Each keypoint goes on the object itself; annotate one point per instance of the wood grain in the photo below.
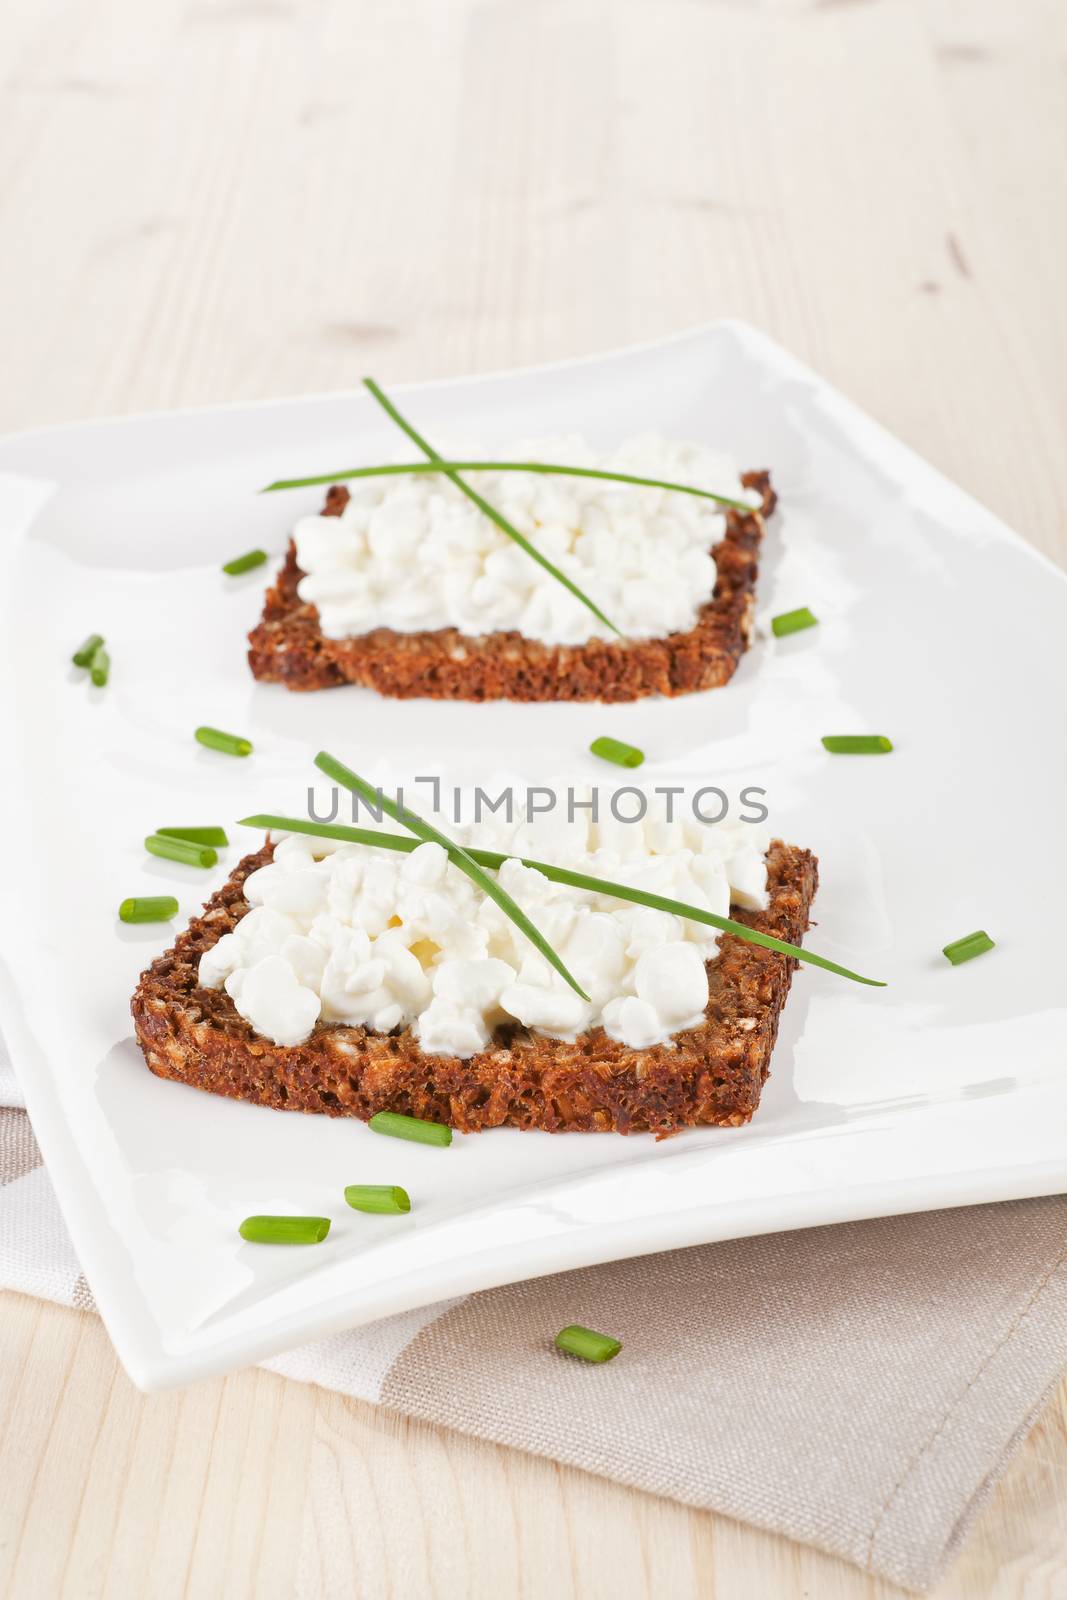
(257, 1486)
(208, 200)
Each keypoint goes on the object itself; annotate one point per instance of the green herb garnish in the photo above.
(85, 652)
(483, 505)
(551, 469)
(99, 666)
(230, 744)
(148, 908)
(857, 744)
(245, 563)
(792, 622)
(379, 1199)
(284, 1230)
(457, 855)
(494, 859)
(419, 1131)
(583, 1342)
(975, 944)
(183, 850)
(623, 755)
(215, 836)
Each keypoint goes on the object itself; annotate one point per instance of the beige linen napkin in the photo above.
(859, 1388)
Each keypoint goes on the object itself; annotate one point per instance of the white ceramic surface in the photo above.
(938, 627)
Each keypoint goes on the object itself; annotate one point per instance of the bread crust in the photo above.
(288, 646)
(709, 1075)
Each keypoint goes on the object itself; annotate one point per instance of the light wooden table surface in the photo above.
(205, 200)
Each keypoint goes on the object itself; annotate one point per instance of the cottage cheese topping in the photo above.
(355, 935)
(413, 553)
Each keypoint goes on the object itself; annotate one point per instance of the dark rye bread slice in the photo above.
(711, 1075)
(288, 645)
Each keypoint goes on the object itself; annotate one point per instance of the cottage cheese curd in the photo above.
(350, 934)
(414, 554)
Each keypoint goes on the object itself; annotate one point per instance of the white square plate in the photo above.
(938, 626)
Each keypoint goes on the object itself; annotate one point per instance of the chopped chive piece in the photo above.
(856, 744)
(975, 944)
(245, 563)
(190, 855)
(284, 1230)
(148, 908)
(397, 1126)
(85, 652)
(579, 1341)
(457, 855)
(231, 744)
(99, 666)
(550, 469)
(792, 622)
(623, 755)
(577, 880)
(484, 507)
(381, 1199)
(216, 836)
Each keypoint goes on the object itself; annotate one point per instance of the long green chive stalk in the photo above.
(549, 469)
(457, 855)
(494, 859)
(483, 505)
